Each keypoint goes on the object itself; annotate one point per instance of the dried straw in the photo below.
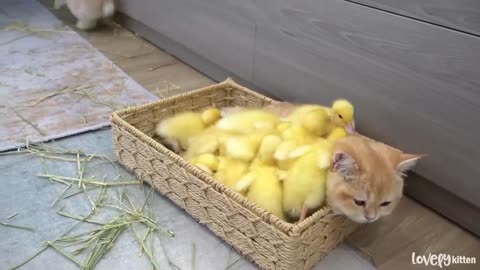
(193, 257)
(62, 91)
(16, 226)
(24, 28)
(33, 73)
(99, 200)
(12, 215)
(233, 263)
(83, 90)
(98, 241)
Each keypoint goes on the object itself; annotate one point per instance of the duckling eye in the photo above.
(385, 203)
(341, 117)
(359, 202)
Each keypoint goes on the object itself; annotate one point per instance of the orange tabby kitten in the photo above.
(366, 178)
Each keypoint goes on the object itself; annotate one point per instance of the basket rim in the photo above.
(283, 226)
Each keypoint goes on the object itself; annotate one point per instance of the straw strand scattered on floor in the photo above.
(96, 242)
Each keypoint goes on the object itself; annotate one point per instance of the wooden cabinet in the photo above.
(220, 31)
(458, 15)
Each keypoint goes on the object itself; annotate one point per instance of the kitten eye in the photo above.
(359, 202)
(385, 203)
(341, 117)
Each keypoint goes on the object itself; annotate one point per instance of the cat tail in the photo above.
(108, 8)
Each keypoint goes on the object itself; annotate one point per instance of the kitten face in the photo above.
(364, 198)
(365, 181)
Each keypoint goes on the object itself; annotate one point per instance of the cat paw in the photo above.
(86, 25)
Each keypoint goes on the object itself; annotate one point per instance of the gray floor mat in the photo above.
(53, 83)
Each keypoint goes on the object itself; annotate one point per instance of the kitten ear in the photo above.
(407, 162)
(344, 164)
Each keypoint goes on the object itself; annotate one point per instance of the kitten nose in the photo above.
(370, 215)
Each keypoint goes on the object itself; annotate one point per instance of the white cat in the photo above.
(88, 12)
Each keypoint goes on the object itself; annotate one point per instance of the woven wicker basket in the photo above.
(260, 236)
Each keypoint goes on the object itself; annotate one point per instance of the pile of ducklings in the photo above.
(278, 163)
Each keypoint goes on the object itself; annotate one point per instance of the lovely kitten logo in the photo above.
(441, 260)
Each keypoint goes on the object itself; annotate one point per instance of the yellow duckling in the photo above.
(210, 116)
(230, 171)
(337, 133)
(341, 115)
(304, 186)
(248, 120)
(179, 128)
(282, 126)
(264, 188)
(206, 162)
(282, 154)
(267, 149)
(209, 141)
(299, 134)
(241, 147)
(244, 146)
(313, 118)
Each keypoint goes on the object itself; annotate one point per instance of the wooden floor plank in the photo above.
(151, 67)
(413, 228)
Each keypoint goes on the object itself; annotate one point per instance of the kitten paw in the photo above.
(86, 25)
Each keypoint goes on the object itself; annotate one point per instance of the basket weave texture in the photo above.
(263, 238)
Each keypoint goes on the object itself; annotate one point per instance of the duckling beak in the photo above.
(350, 128)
